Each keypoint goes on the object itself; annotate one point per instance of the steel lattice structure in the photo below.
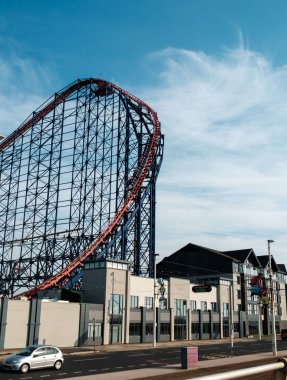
(78, 182)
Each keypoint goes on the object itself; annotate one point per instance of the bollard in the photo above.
(280, 374)
(189, 357)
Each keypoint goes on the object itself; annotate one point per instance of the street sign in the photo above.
(201, 288)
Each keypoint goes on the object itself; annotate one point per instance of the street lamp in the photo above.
(155, 295)
(274, 342)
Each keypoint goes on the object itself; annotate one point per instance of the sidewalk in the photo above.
(205, 367)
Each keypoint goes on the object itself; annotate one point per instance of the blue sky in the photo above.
(216, 73)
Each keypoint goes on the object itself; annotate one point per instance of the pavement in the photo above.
(210, 366)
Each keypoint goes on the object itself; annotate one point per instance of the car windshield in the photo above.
(27, 351)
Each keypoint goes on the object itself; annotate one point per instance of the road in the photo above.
(87, 363)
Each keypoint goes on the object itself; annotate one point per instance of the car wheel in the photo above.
(58, 364)
(24, 368)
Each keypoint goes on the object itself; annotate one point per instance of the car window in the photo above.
(52, 351)
(27, 351)
(39, 352)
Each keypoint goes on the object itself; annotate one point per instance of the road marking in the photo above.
(105, 369)
(23, 378)
(85, 360)
(133, 365)
(45, 376)
(62, 373)
(93, 370)
(130, 356)
(142, 365)
(206, 349)
(77, 372)
(119, 367)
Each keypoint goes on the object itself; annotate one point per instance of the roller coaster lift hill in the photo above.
(78, 183)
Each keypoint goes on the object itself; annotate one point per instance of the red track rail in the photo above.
(144, 169)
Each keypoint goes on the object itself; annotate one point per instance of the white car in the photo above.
(33, 357)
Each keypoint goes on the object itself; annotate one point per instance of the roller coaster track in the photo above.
(141, 171)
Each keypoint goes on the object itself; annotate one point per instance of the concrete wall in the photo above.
(59, 324)
(17, 322)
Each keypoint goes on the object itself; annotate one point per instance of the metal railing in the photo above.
(279, 372)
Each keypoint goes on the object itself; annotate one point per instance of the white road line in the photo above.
(105, 369)
(77, 372)
(45, 376)
(62, 373)
(119, 367)
(24, 378)
(133, 365)
(206, 349)
(85, 360)
(139, 355)
(93, 370)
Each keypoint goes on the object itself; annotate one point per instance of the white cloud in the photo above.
(223, 181)
(24, 85)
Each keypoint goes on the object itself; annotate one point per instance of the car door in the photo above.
(51, 356)
(38, 358)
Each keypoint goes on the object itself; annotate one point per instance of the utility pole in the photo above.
(274, 342)
(154, 299)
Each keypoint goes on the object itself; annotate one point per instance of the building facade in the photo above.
(117, 307)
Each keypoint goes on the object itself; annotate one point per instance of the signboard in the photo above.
(201, 288)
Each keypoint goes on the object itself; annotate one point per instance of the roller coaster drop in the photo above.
(77, 182)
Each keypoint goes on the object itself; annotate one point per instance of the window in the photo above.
(94, 330)
(179, 307)
(149, 329)
(193, 305)
(116, 304)
(225, 310)
(238, 280)
(213, 306)
(206, 328)
(148, 302)
(239, 294)
(135, 329)
(165, 328)
(195, 328)
(203, 305)
(134, 302)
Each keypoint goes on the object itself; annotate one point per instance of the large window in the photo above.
(135, 329)
(94, 330)
(149, 329)
(203, 305)
(214, 306)
(134, 301)
(195, 328)
(225, 310)
(165, 328)
(179, 307)
(206, 328)
(116, 304)
(148, 302)
(193, 305)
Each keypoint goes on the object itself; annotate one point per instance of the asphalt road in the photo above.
(82, 364)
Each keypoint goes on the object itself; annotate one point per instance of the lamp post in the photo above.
(274, 342)
(155, 295)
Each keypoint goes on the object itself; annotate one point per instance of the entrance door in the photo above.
(115, 334)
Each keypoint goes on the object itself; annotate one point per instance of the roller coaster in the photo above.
(77, 183)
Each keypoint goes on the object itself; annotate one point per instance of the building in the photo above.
(115, 306)
(238, 267)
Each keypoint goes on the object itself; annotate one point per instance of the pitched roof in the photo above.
(244, 254)
(282, 268)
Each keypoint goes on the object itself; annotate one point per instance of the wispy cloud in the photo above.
(224, 176)
(24, 85)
